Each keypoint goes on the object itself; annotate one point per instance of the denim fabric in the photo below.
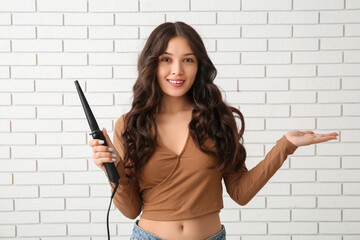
(140, 234)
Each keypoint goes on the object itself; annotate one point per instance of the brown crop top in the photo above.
(176, 187)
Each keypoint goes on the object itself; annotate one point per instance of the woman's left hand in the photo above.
(303, 138)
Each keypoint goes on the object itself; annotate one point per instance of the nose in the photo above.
(177, 68)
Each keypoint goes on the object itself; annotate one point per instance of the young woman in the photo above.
(180, 139)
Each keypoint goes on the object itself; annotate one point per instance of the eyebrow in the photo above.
(186, 54)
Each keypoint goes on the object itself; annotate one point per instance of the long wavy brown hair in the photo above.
(211, 116)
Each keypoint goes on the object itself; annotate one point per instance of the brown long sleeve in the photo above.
(243, 185)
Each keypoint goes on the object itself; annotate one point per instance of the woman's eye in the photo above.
(165, 59)
(188, 60)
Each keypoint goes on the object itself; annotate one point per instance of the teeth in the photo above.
(175, 81)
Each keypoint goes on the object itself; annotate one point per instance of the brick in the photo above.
(7, 231)
(6, 205)
(100, 190)
(62, 59)
(265, 215)
(262, 84)
(64, 191)
(296, 176)
(89, 19)
(340, 97)
(17, 112)
(352, 30)
(290, 70)
(36, 72)
(36, 152)
(218, 31)
(4, 152)
(317, 57)
(65, 216)
(338, 202)
(229, 215)
(87, 203)
(244, 228)
(19, 166)
(265, 110)
(38, 178)
(4, 45)
(318, 4)
(17, 59)
(60, 138)
(290, 123)
(266, 237)
(224, 58)
(37, 99)
(57, 85)
(244, 97)
(62, 5)
(113, 6)
(125, 71)
(4, 72)
(338, 122)
(78, 125)
(314, 83)
(351, 188)
(36, 125)
(351, 57)
(17, 32)
(266, 31)
(349, 16)
(39, 204)
(113, 32)
(17, 6)
(258, 5)
(293, 228)
(19, 192)
(316, 189)
(163, 5)
(191, 18)
(291, 97)
(17, 139)
(139, 18)
(315, 162)
(214, 5)
(339, 228)
(323, 30)
(5, 99)
(111, 85)
(5, 18)
(5, 179)
(131, 45)
(351, 214)
(88, 46)
(85, 177)
(41, 230)
(315, 110)
(339, 70)
(275, 189)
(93, 229)
(351, 109)
(352, 4)
(87, 72)
(350, 162)
(17, 86)
(338, 175)
(38, 45)
(19, 217)
(293, 44)
(94, 99)
(112, 58)
(350, 135)
(62, 32)
(62, 165)
(240, 71)
(291, 202)
(265, 57)
(293, 17)
(37, 19)
(226, 84)
(241, 18)
(4, 125)
(123, 98)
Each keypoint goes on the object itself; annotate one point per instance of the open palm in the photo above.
(303, 138)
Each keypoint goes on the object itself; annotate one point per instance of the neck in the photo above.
(172, 105)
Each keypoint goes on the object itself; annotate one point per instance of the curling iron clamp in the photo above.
(97, 134)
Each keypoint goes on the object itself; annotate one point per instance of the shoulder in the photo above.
(120, 123)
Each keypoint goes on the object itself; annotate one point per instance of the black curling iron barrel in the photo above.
(97, 134)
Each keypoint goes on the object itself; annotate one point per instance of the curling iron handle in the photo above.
(109, 167)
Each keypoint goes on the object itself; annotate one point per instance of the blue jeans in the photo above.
(140, 234)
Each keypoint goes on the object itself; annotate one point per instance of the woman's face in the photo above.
(177, 68)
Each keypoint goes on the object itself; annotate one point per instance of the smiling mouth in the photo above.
(176, 83)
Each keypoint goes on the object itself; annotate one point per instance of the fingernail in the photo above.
(101, 141)
(114, 155)
(111, 149)
(114, 159)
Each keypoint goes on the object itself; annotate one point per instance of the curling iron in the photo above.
(97, 134)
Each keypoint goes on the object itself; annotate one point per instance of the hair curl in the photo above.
(211, 116)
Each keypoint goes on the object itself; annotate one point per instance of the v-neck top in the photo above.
(176, 187)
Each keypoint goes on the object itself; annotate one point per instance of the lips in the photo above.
(176, 82)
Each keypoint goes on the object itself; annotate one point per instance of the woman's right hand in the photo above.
(103, 154)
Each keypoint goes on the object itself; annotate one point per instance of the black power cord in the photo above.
(107, 217)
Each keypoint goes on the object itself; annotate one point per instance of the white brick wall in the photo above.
(286, 64)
